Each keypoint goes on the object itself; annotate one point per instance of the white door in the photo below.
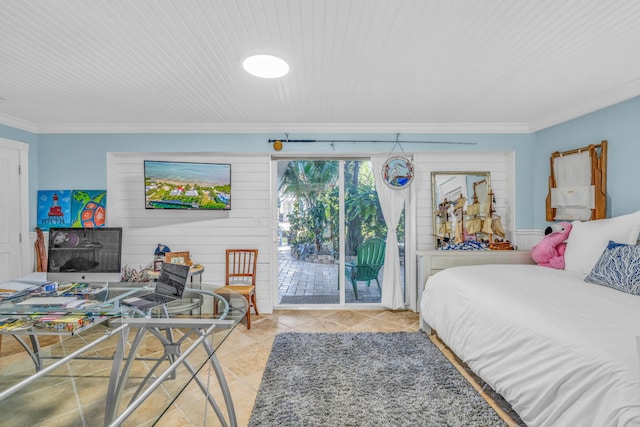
(11, 223)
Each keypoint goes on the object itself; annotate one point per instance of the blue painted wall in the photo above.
(69, 161)
(618, 124)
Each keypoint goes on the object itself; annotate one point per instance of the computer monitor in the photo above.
(84, 254)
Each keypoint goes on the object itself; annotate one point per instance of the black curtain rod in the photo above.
(271, 141)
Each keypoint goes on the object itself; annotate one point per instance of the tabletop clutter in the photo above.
(48, 305)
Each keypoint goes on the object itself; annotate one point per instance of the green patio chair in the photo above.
(370, 261)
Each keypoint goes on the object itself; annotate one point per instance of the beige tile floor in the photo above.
(243, 357)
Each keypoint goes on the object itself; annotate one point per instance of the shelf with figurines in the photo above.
(470, 226)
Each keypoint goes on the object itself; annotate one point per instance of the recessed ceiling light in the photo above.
(266, 66)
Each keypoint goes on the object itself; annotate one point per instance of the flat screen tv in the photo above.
(187, 185)
(84, 254)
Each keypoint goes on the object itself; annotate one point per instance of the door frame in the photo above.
(19, 233)
(411, 289)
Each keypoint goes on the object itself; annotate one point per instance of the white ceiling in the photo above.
(356, 66)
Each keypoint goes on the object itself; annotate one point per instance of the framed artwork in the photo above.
(54, 208)
(72, 208)
(177, 258)
(157, 264)
(88, 208)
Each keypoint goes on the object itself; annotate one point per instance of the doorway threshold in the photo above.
(310, 299)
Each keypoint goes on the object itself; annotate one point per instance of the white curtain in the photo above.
(392, 202)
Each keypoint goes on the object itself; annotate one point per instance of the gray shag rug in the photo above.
(365, 379)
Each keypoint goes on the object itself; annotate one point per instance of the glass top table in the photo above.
(100, 362)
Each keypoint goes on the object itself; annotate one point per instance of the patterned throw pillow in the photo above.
(613, 244)
(618, 268)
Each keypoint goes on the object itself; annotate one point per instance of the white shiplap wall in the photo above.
(528, 238)
(500, 164)
(205, 234)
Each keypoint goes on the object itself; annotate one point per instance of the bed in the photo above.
(561, 350)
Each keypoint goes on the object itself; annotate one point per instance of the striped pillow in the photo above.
(618, 268)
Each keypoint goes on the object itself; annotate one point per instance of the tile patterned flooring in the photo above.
(243, 357)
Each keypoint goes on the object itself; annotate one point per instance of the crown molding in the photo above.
(620, 94)
(17, 123)
(615, 96)
(284, 128)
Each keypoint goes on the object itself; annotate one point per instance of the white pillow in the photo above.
(589, 239)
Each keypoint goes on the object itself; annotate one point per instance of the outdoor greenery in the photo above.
(312, 186)
(207, 197)
(309, 184)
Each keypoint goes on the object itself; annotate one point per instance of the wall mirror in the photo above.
(461, 202)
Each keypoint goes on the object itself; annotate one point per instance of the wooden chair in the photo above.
(241, 276)
(41, 251)
(370, 261)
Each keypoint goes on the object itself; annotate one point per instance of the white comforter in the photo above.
(562, 351)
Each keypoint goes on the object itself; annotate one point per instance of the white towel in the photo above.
(573, 169)
(573, 197)
(573, 214)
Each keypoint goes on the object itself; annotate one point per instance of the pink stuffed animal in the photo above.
(550, 251)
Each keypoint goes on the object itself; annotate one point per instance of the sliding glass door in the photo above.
(331, 233)
(308, 247)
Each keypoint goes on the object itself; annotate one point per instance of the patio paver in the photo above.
(303, 282)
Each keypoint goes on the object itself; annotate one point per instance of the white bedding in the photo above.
(562, 351)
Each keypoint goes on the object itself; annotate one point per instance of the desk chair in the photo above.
(241, 276)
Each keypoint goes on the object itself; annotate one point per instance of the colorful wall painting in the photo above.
(88, 208)
(71, 208)
(54, 208)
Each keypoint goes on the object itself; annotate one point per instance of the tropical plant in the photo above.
(309, 182)
(314, 218)
(363, 215)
